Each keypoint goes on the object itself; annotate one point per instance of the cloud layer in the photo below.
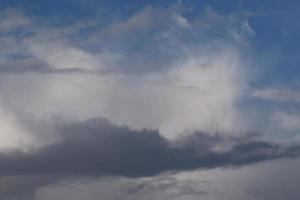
(98, 148)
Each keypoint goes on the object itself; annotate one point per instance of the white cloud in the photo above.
(181, 21)
(12, 19)
(277, 94)
(63, 56)
(199, 90)
(13, 134)
(199, 94)
(288, 121)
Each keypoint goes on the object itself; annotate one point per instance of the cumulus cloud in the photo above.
(174, 82)
(133, 66)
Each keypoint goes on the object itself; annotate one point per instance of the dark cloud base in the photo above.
(99, 148)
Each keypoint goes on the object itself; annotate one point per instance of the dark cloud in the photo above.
(23, 187)
(98, 148)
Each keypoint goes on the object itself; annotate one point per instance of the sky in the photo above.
(143, 100)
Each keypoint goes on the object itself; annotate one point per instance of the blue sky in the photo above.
(273, 21)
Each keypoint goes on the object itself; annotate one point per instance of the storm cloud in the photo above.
(97, 147)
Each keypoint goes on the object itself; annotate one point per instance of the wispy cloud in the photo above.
(278, 94)
(287, 120)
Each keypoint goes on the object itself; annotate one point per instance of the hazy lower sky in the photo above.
(146, 100)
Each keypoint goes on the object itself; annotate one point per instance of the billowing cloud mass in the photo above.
(142, 98)
(185, 86)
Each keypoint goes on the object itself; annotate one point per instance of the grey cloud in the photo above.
(98, 148)
(169, 186)
(23, 187)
